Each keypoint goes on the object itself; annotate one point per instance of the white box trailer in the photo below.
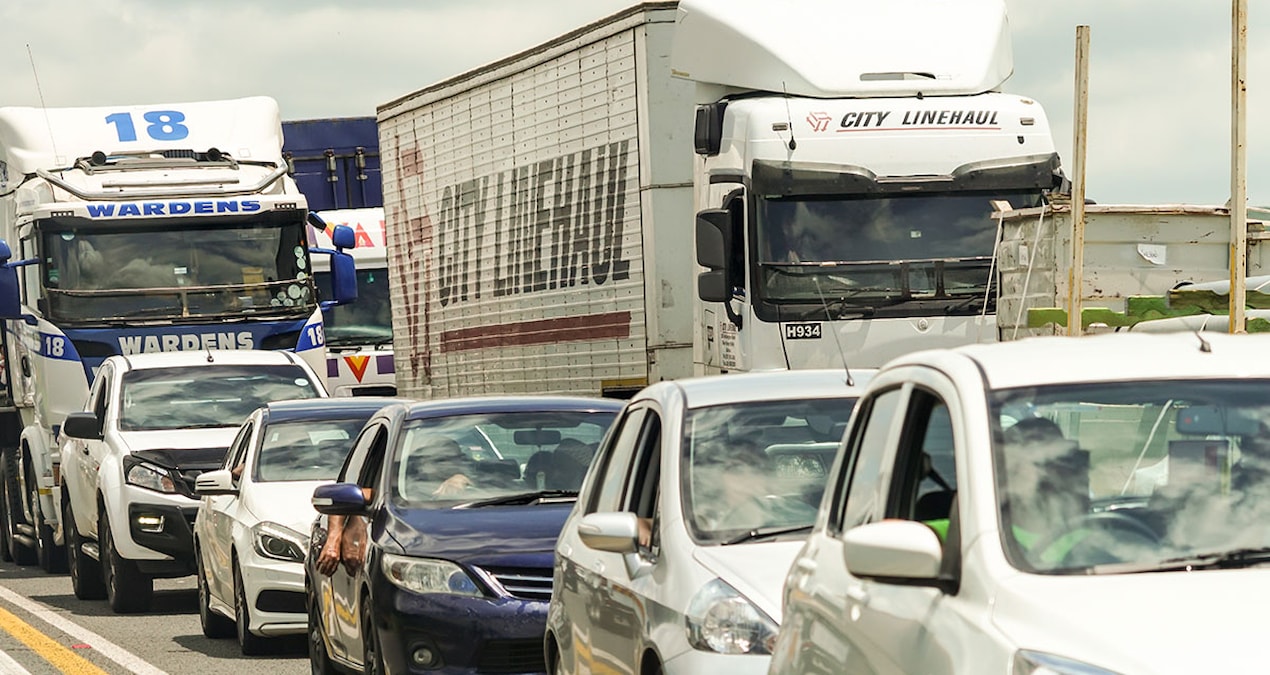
(541, 235)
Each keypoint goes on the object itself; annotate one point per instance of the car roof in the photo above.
(206, 356)
(326, 408)
(501, 404)
(776, 385)
(1108, 357)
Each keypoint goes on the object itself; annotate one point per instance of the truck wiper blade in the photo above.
(540, 496)
(766, 533)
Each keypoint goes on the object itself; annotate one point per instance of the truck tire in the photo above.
(50, 556)
(127, 589)
(12, 504)
(86, 579)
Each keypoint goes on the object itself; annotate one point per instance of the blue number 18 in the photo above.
(165, 125)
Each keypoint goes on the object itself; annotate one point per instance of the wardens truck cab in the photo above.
(152, 423)
(134, 229)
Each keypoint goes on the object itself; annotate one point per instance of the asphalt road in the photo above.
(45, 629)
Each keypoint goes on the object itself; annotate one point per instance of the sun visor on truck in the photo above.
(831, 48)
(790, 179)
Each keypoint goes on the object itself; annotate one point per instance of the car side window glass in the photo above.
(100, 394)
(926, 473)
(643, 488)
(868, 451)
(238, 449)
(368, 477)
(616, 460)
(357, 456)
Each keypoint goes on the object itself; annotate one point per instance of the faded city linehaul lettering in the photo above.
(552, 224)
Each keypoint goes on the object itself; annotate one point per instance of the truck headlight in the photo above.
(272, 540)
(722, 620)
(148, 476)
(428, 575)
(1027, 662)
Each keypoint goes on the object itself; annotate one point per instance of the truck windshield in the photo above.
(871, 249)
(132, 271)
(368, 321)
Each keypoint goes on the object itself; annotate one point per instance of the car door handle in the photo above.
(807, 565)
(857, 595)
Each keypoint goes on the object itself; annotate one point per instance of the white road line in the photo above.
(10, 667)
(131, 662)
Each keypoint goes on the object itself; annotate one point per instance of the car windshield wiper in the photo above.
(766, 533)
(1217, 560)
(554, 496)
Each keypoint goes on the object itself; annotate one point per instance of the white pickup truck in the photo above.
(151, 424)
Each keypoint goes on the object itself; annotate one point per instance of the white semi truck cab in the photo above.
(134, 229)
(849, 159)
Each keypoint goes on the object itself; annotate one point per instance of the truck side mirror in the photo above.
(714, 245)
(343, 269)
(10, 299)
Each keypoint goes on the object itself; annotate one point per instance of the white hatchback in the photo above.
(1091, 506)
(251, 534)
(697, 501)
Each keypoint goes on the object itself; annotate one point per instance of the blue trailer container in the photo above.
(335, 161)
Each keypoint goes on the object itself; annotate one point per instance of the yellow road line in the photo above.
(60, 656)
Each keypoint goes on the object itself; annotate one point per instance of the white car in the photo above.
(699, 497)
(252, 530)
(151, 424)
(995, 516)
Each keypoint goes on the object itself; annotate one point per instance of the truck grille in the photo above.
(526, 584)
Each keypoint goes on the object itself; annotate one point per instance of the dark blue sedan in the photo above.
(448, 513)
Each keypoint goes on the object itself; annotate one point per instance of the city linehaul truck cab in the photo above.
(848, 158)
(134, 229)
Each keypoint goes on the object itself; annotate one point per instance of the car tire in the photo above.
(19, 553)
(372, 656)
(86, 578)
(214, 625)
(127, 589)
(319, 658)
(250, 643)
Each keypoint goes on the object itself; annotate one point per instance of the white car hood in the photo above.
(757, 570)
(1161, 623)
(219, 437)
(287, 503)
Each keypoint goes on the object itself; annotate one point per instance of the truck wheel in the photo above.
(18, 552)
(250, 643)
(127, 589)
(51, 557)
(85, 572)
(214, 625)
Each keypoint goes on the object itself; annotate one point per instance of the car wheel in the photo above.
(18, 552)
(86, 579)
(372, 657)
(250, 643)
(127, 589)
(214, 625)
(319, 659)
(50, 556)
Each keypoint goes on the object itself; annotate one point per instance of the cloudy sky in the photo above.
(1160, 103)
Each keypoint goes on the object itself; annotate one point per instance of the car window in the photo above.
(100, 394)
(366, 443)
(616, 460)
(304, 449)
(492, 454)
(868, 447)
(758, 465)
(238, 449)
(925, 478)
(643, 488)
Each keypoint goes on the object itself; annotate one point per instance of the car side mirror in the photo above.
(894, 551)
(616, 532)
(214, 483)
(339, 499)
(82, 425)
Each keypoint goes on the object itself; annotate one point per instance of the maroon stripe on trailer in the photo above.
(610, 325)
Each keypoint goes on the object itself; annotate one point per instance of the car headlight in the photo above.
(1027, 662)
(722, 620)
(428, 575)
(272, 540)
(148, 476)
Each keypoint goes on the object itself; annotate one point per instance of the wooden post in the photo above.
(1076, 274)
(1238, 167)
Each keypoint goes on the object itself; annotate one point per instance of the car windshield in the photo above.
(753, 466)
(305, 449)
(219, 395)
(1132, 475)
(486, 456)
